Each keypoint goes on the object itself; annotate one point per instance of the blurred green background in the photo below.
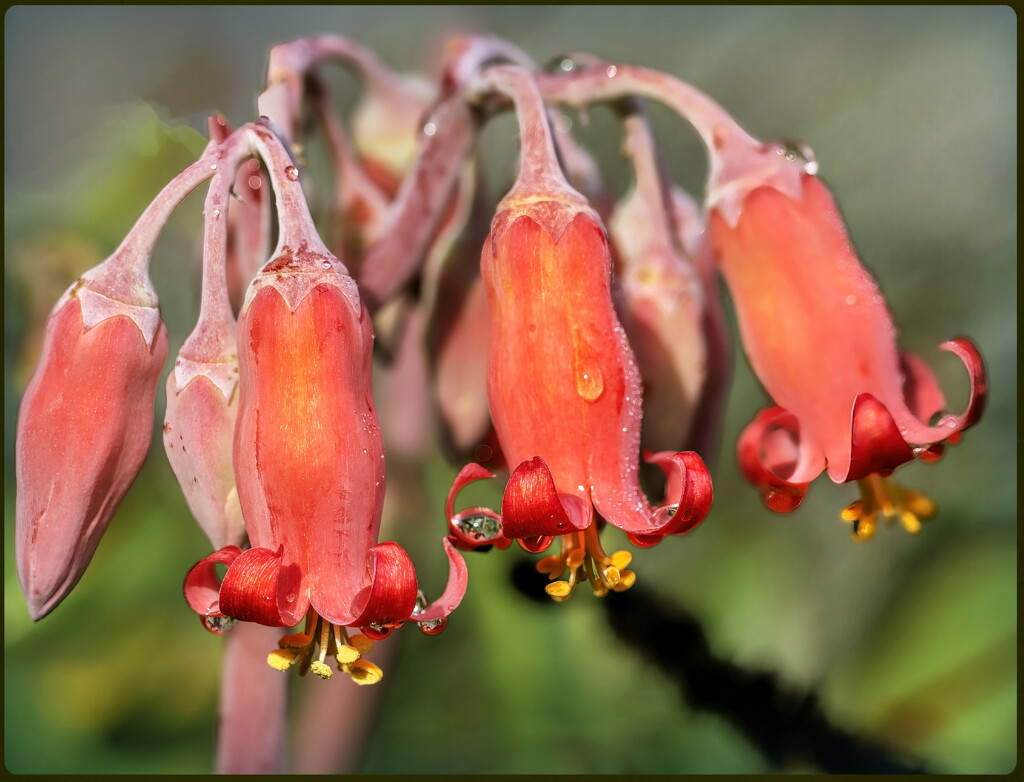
(908, 642)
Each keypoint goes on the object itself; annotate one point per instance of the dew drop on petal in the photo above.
(292, 173)
(851, 299)
(478, 526)
(612, 70)
(219, 624)
(429, 129)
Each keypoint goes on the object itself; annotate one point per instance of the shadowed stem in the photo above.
(782, 724)
(253, 704)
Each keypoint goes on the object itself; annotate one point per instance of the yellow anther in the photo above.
(612, 575)
(320, 669)
(551, 565)
(621, 559)
(361, 643)
(919, 505)
(281, 659)
(365, 672)
(559, 589)
(347, 654)
(575, 558)
(864, 529)
(910, 522)
(626, 579)
(852, 512)
(296, 641)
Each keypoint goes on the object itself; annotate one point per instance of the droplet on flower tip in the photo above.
(434, 626)
(479, 526)
(292, 173)
(612, 70)
(219, 624)
(798, 152)
(429, 129)
(213, 166)
(216, 214)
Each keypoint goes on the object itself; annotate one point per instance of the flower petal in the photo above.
(257, 588)
(202, 585)
(471, 472)
(531, 507)
(391, 595)
(876, 445)
(458, 577)
(774, 457)
(689, 489)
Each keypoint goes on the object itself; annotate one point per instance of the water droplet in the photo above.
(213, 166)
(326, 264)
(478, 526)
(216, 214)
(429, 129)
(292, 173)
(800, 152)
(219, 624)
(255, 182)
(291, 597)
(566, 64)
(612, 70)
(851, 299)
(589, 380)
(563, 123)
(434, 626)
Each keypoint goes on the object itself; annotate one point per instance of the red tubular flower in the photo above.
(565, 395)
(84, 428)
(562, 384)
(309, 464)
(820, 338)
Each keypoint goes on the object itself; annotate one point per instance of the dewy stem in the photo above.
(127, 269)
(602, 82)
(296, 228)
(540, 173)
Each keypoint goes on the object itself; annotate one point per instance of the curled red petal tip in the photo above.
(768, 461)
(531, 507)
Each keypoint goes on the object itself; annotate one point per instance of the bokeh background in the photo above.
(907, 642)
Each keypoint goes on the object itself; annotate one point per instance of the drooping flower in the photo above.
(671, 312)
(309, 466)
(563, 386)
(820, 338)
(85, 423)
(202, 391)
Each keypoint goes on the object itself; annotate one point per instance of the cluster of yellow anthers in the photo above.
(881, 494)
(582, 552)
(332, 640)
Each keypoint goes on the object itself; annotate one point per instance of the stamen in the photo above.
(885, 496)
(321, 639)
(584, 558)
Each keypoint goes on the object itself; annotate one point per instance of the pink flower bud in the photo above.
(84, 428)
